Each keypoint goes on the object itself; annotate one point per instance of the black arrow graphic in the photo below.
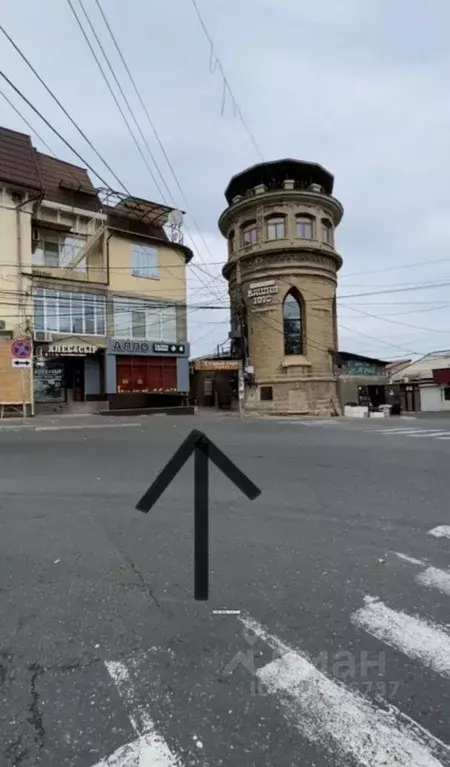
(204, 450)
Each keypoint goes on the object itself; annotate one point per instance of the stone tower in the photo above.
(282, 273)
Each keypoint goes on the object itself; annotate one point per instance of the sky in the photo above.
(359, 87)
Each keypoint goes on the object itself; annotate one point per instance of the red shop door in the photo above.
(146, 374)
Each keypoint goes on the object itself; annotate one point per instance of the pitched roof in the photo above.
(66, 183)
(18, 165)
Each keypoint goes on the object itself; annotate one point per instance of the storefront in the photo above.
(67, 375)
(214, 383)
(145, 374)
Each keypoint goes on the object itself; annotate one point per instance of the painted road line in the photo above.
(431, 577)
(447, 437)
(429, 434)
(339, 720)
(442, 531)
(149, 749)
(399, 432)
(88, 426)
(421, 640)
(226, 612)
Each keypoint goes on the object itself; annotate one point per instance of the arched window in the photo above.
(276, 228)
(231, 242)
(250, 233)
(293, 323)
(327, 231)
(305, 227)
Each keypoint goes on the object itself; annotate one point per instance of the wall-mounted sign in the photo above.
(162, 348)
(212, 365)
(22, 350)
(71, 350)
(262, 292)
(129, 346)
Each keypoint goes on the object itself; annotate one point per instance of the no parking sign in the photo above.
(22, 350)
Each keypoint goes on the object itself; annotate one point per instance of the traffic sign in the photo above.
(21, 363)
(22, 350)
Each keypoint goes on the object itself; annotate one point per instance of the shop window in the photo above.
(144, 319)
(250, 233)
(61, 311)
(266, 393)
(327, 231)
(139, 375)
(447, 393)
(305, 227)
(276, 228)
(293, 323)
(145, 262)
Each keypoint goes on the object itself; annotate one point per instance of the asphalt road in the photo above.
(340, 652)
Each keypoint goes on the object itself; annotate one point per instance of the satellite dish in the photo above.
(175, 218)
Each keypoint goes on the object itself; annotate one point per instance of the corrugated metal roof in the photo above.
(78, 189)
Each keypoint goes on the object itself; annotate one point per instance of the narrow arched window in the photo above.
(250, 233)
(231, 242)
(293, 323)
(276, 228)
(327, 231)
(305, 227)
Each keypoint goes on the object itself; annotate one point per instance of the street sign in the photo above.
(204, 451)
(21, 363)
(22, 350)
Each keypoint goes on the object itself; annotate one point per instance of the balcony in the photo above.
(68, 256)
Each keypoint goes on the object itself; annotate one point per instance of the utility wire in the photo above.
(33, 130)
(215, 63)
(58, 102)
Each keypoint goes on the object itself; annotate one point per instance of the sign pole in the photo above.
(241, 386)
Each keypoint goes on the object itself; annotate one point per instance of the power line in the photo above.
(33, 130)
(58, 102)
(215, 63)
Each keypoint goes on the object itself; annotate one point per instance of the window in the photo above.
(231, 242)
(145, 262)
(59, 311)
(266, 393)
(58, 250)
(250, 234)
(327, 232)
(447, 393)
(305, 227)
(275, 228)
(292, 323)
(144, 320)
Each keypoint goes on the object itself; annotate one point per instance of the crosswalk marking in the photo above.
(339, 720)
(442, 531)
(432, 577)
(149, 749)
(421, 640)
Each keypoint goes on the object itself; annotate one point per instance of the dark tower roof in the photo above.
(278, 171)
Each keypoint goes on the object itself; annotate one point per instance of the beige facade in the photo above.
(280, 227)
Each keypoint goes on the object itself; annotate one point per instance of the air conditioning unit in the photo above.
(41, 336)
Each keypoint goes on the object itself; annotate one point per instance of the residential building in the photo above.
(424, 384)
(282, 272)
(92, 278)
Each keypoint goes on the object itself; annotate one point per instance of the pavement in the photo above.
(326, 638)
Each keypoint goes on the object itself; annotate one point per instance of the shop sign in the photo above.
(162, 348)
(262, 292)
(71, 350)
(129, 346)
(212, 365)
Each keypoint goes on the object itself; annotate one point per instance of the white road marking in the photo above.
(226, 612)
(434, 578)
(88, 426)
(149, 749)
(398, 432)
(429, 434)
(342, 721)
(422, 640)
(442, 531)
(447, 437)
(406, 558)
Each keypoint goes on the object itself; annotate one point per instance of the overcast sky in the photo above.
(360, 87)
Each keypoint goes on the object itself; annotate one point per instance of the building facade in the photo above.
(282, 273)
(424, 384)
(92, 280)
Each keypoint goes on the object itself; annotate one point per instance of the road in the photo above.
(338, 654)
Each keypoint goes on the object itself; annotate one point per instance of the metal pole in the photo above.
(241, 386)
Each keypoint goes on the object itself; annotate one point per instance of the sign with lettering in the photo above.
(130, 346)
(71, 350)
(262, 292)
(213, 365)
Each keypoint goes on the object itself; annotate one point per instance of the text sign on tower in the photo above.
(262, 292)
(22, 350)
